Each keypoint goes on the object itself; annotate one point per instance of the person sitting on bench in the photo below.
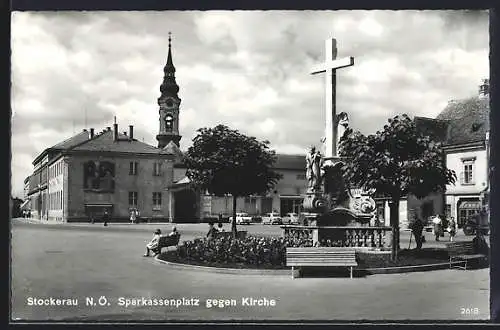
(153, 244)
(212, 231)
(174, 232)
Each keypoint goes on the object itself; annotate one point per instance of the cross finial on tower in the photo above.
(169, 39)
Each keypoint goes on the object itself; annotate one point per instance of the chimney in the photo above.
(484, 88)
(131, 131)
(115, 132)
(91, 135)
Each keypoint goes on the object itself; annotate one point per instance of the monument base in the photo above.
(314, 202)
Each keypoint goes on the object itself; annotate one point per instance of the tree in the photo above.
(396, 161)
(224, 161)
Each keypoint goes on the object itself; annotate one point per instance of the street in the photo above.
(83, 261)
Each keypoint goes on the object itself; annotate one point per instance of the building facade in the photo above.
(287, 196)
(463, 129)
(78, 180)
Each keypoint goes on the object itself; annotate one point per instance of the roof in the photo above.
(105, 142)
(468, 120)
(66, 144)
(72, 141)
(435, 128)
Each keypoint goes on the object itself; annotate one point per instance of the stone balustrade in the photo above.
(349, 236)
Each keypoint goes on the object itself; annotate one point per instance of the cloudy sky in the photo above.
(248, 70)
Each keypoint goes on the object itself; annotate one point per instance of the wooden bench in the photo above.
(320, 257)
(462, 252)
(166, 241)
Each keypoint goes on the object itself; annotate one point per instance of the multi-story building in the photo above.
(463, 129)
(287, 196)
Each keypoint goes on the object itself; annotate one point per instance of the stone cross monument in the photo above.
(315, 196)
(329, 67)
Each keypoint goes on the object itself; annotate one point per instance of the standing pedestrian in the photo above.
(105, 218)
(437, 226)
(417, 228)
(452, 228)
(133, 216)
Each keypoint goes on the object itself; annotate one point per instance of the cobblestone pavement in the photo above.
(80, 261)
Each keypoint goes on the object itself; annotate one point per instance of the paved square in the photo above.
(79, 261)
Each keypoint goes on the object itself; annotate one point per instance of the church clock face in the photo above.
(169, 103)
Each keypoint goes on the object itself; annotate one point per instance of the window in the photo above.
(157, 169)
(301, 176)
(448, 210)
(467, 176)
(132, 198)
(133, 168)
(156, 199)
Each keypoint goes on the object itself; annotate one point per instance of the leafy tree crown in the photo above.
(396, 161)
(224, 161)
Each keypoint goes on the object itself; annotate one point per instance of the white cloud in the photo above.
(248, 70)
(371, 27)
(267, 125)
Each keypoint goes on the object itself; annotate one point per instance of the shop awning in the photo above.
(470, 205)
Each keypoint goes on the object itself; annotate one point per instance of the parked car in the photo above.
(215, 219)
(257, 219)
(271, 219)
(477, 221)
(291, 219)
(242, 218)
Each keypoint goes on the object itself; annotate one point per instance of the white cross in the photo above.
(329, 67)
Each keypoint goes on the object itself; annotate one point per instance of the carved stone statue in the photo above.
(316, 168)
(314, 162)
(309, 167)
(342, 125)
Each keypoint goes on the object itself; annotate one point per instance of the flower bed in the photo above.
(270, 253)
(250, 252)
(405, 258)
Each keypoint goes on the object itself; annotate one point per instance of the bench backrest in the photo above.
(456, 248)
(320, 256)
(169, 240)
(228, 234)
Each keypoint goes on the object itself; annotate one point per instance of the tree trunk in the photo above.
(233, 222)
(394, 216)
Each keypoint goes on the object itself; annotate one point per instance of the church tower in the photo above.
(169, 103)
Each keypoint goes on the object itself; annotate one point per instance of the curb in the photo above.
(286, 272)
(234, 271)
(406, 269)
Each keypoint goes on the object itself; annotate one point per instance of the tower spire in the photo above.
(169, 86)
(169, 103)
